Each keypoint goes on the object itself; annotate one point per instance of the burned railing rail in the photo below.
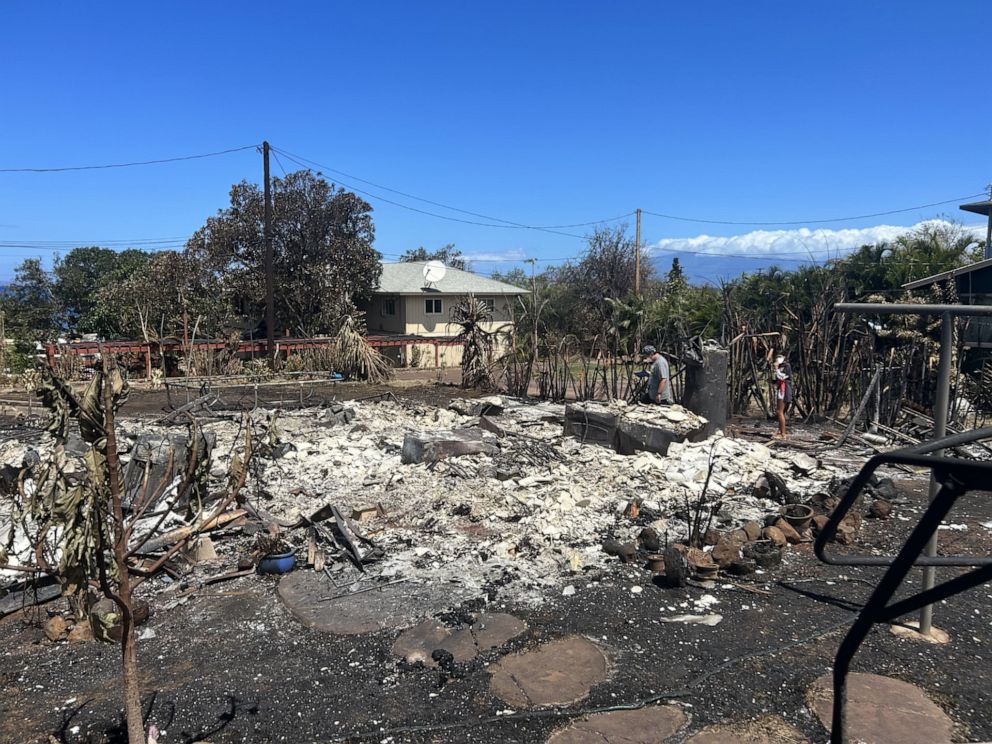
(954, 477)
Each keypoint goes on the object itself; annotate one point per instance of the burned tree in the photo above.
(81, 529)
(478, 352)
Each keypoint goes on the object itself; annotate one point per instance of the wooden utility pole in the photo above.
(270, 312)
(637, 257)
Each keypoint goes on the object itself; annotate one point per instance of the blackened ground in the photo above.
(232, 665)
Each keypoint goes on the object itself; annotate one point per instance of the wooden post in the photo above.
(270, 315)
(437, 355)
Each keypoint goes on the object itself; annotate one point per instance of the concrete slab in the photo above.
(305, 593)
(882, 710)
(555, 673)
(766, 730)
(652, 725)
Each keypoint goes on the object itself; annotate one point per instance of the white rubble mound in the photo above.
(531, 517)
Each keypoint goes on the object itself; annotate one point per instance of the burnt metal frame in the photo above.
(955, 477)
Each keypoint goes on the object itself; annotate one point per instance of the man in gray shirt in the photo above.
(659, 389)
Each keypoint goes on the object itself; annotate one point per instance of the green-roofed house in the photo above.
(407, 304)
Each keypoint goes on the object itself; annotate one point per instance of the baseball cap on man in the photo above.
(648, 350)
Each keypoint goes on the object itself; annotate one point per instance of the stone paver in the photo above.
(488, 631)
(767, 730)
(653, 725)
(882, 710)
(554, 673)
(306, 594)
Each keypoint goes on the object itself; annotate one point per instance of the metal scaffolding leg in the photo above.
(940, 411)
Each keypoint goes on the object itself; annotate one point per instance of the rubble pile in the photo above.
(496, 496)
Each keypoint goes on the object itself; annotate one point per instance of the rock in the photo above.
(886, 489)
(80, 633)
(727, 550)
(804, 463)
(676, 570)
(428, 446)
(846, 532)
(649, 540)
(56, 628)
(712, 537)
(489, 406)
(700, 560)
(880, 509)
(791, 536)
(820, 523)
(753, 530)
(624, 551)
(775, 535)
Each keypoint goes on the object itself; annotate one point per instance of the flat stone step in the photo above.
(487, 632)
(554, 673)
(651, 725)
(307, 595)
(766, 730)
(883, 710)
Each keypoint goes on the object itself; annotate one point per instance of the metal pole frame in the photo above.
(942, 402)
(955, 478)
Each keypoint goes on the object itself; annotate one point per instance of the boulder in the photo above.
(56, 628)
(791, 536)
(753, 530)
(880, 509)
(775, 535)
(728, 550)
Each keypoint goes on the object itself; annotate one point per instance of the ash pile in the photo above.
(500, 497)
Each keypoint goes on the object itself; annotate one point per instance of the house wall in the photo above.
(377, 322)
(420, 323)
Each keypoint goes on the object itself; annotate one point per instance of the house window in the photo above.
(489, 303)
(432, 307)
(389, 306)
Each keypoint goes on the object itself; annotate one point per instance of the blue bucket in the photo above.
(277, 563)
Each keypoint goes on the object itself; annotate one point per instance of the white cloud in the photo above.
(514, 254)
(801, 243)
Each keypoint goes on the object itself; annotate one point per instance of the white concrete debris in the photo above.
(709, 620)
(530, 517)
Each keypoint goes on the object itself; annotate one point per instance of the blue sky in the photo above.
(536, 113)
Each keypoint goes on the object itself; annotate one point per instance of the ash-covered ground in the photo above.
(517, 529)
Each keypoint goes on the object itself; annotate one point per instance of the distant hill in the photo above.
(714, 269)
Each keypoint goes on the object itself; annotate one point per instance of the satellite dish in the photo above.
(434, 272)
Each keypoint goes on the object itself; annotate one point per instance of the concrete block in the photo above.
(706, 390)
(427, 446)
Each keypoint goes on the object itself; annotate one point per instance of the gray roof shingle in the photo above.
(408, 278)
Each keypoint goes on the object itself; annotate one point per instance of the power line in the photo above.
(815, 222)
(128, 165)
(306, 162)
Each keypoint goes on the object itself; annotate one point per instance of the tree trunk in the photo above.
(129, 658)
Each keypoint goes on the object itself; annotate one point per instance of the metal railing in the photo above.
(954, 477)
